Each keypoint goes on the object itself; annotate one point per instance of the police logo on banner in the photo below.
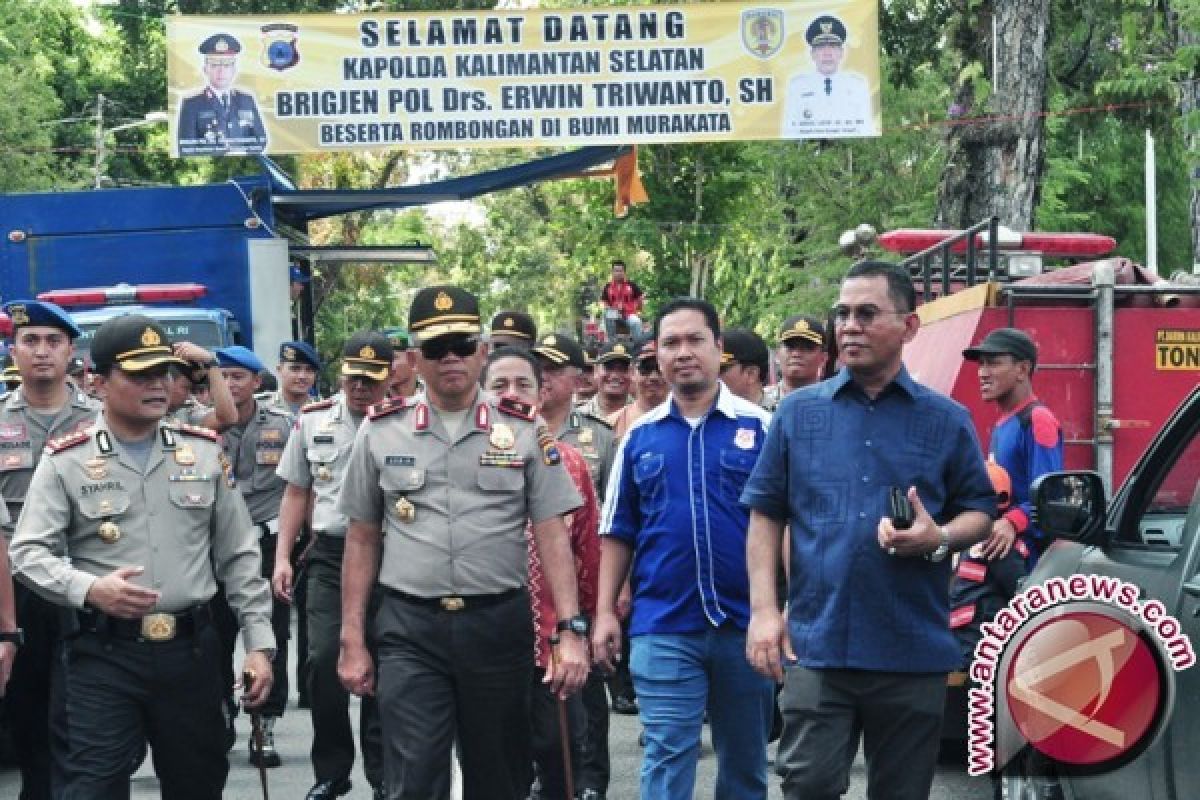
(762, 31)
(279, 46)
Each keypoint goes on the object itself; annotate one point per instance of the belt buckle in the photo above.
(158, 627)
(453, 604)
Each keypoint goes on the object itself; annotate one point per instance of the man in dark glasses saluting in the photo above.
(438, 491)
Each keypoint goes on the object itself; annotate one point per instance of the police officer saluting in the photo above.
(45, 405)
(314, 465)
(135, 522)
(253, 447)
(438, 493)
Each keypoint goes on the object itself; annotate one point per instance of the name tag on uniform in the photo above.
(270, 436)
(323, 439)
(399, 461)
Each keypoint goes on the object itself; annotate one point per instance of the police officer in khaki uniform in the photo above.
(612, 380)
(314, 466)
(254, 446)
(134, 523)
(298, 368)
(802, 355)
(512, 329)
(45, 405)
(438, 493)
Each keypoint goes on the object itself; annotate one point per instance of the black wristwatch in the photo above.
(17, 637)
(577, 625)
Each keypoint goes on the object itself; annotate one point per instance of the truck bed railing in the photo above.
(939, 260)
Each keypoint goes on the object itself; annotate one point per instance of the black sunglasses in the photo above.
(439, 348)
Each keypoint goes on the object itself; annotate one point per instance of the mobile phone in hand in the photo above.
(901, 511)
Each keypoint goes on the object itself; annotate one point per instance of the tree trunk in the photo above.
(1189, 103)
(995, 167)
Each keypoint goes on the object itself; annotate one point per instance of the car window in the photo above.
(1162, 523)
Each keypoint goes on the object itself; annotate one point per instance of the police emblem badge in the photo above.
(280, 51)
(109, 532)
(502, 437)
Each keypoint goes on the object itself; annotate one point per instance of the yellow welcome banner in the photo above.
(309, 83)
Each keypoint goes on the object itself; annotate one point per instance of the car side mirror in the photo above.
(1070, 505)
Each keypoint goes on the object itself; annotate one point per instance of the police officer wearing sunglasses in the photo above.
(438, 491)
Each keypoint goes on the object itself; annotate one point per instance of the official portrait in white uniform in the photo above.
(829, 102)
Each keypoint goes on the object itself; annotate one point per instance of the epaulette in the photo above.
(277, 411)
(515, 408)
(197, 430)
(317, 406)
(597, 418)
(389, 406)
(70, 440)
(263, 395)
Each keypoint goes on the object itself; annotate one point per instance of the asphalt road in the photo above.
(292, 780)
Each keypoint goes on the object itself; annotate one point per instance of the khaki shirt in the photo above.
(593, 437)
(255, 451)
(453, 509)
(190, 413)
(277, 401)
(23, 438)
(96, 511)
(592, 407)
(316, 458)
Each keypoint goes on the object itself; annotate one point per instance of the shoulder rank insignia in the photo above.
(515, 408)
(70, 440)
(389, 406)
(198, 430)
(317, 406)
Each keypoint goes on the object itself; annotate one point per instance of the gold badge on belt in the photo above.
(502, 437)
(109, 532)
(96, 468)
(185, 456)
(405, 510)
(158, 627)
(324, 473)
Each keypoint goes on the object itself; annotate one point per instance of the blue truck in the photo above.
(206, 261)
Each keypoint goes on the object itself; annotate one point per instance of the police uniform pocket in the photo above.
(192, 494)
(15, 456)
(501, 479)
(103, 504)
(321, 460)
(736, 466)
(651, 483)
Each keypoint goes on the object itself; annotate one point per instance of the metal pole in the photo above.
(1151, 207)
(99, 166)
(1103, 279)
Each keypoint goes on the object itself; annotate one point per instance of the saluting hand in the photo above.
(117, 596)
(356, 670)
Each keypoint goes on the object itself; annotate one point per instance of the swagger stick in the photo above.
(564, 728)
(256, 732)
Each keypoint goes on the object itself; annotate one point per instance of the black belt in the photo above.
(458, 602)
(161, 627)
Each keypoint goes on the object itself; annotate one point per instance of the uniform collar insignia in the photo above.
(421, 421)
(104, 443)
(483, 416)
(168, 438)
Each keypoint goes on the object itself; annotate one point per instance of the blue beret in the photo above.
(298, 276)
(36, 312)
(299, 353)
(220, 44)
(239, 356)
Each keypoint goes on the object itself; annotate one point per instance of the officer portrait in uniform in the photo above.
(438, 492)
(136, 521)
(830, 102)
(219, 119)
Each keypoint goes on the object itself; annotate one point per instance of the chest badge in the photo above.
(185, 456)
(502, 437)
(96, 469)
(585, 436)
(109, 532)
(324, 473)
(405, 510)
(744, 438)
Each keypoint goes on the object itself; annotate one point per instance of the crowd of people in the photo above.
(496, 539)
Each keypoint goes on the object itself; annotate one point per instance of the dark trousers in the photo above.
(620, 683)
(898, 716)
(227, 625)
(546, 729)
(444, 675)
(300, 603)
(329, 702)
(34, 705)
(121, 694)
(593, 771)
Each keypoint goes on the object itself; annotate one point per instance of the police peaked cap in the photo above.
(743, 346)
(240, 357)
(134, 343)
(803, 326)
(367, 354)
(299, 353)
(514, 323)
(220, 44)
(614, 351)
(443, 310)
(38, 313)
(825, 29)
(560, 349)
